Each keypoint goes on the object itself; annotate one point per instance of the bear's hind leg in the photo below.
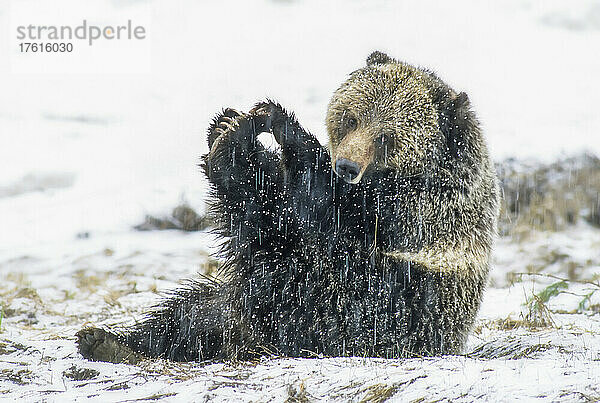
(186, 326)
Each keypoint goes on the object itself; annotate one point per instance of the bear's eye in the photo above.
(351, 123)
(384, 139)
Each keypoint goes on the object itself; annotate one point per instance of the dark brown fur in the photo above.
(393, 264)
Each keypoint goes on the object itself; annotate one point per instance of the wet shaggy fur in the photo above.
(391, 266)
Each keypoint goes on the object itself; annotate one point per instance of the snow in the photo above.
(88, 150)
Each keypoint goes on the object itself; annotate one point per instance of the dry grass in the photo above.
(511, 347)
(549, 197)
(379, 393)
(17, 376)
(183, 217)
(297, 395)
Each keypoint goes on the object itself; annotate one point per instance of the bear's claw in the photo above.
(263, 114)
(228, 115)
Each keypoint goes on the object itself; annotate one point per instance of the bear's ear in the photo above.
(454, 120)
(378, 57)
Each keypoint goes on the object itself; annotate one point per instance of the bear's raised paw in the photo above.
(216, 129)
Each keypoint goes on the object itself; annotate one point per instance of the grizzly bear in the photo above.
(378, 245)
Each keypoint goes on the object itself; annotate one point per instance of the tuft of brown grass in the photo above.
(183, 217)
(379, 393)
(549, 197)
(18, 376)
(211, 266)
(510, 347)
(89, 282)
(297, 395)
(538, 315)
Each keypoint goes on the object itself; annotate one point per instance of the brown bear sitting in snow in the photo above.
(378, 245)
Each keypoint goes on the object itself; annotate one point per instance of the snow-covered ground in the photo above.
(86, 154)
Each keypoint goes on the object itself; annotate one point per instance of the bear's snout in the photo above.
(347, 170)
(351, 157)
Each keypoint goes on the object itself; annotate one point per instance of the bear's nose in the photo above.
(346, 169)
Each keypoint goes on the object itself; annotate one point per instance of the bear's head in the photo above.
(385, 117)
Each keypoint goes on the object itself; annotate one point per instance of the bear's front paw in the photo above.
(99, 345)
(234, 136)
(217, 128)
(268, 117)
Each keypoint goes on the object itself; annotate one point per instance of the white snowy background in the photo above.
(85, 155)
